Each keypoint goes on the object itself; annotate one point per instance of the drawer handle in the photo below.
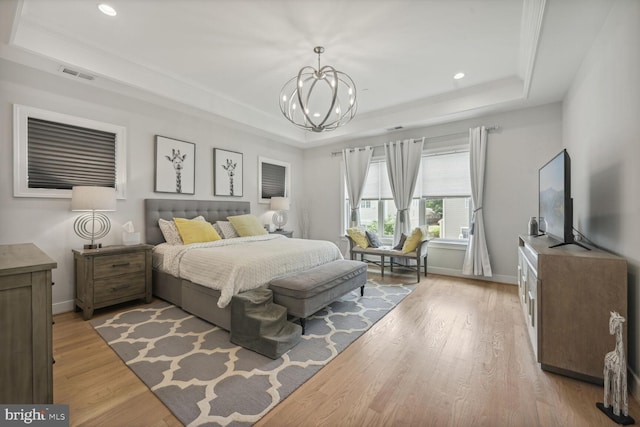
(122, 264)
(117, 288)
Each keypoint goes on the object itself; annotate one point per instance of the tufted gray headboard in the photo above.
(211, 210)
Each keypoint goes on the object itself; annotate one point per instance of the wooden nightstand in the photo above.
(111, 275)
(283, 232)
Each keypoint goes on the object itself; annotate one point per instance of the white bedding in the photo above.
(235, 265)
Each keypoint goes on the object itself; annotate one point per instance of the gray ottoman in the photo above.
(306, 292)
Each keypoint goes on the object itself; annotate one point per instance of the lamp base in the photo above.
(279, 220)
(93, 246)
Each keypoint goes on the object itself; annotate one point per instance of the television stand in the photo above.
(566, 295)
(570, 243)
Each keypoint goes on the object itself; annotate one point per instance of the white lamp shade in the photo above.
(91, 198)
(280, 203)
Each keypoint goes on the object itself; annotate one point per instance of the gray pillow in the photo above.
(373, 239)
(400, 244)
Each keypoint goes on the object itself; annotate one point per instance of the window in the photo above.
(441, 198)
(54, 152)
(273, 179)
(445, 187)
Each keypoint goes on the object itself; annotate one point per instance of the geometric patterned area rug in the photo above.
(204, 379)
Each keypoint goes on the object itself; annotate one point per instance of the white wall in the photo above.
(526, 140)
(49, 223)
(602, 134)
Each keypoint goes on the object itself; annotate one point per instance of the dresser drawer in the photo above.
(115, 265)
(114, 288)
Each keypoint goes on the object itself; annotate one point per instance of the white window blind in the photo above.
(377, 186)
(445, 175)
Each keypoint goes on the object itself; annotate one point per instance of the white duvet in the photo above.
(235, 265)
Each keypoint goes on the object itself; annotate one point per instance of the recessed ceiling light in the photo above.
(107, 10)
(458, 76)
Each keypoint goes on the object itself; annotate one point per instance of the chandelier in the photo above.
(319, 100)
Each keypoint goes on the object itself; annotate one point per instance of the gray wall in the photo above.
(602, 134)
(49, 222)
(526, 140)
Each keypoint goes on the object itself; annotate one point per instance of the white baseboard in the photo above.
(500, 278)
(63, 307)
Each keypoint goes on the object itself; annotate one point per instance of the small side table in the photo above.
(288, 233)
(111, 275)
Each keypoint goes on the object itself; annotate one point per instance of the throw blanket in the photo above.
(235, 265)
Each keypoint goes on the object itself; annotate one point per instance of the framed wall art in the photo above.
(175, 166)
(274, 179)
(227, 173)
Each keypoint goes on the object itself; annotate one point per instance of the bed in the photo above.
(195, 294)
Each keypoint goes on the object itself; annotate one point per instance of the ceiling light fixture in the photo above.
(107, 10)
(458, 76)
(325, 94)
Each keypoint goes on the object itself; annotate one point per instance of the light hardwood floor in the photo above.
(453, 353)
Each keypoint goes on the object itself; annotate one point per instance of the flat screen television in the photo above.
(555, 217)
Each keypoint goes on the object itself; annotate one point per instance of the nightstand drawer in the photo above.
(115, 265)
(114, 288)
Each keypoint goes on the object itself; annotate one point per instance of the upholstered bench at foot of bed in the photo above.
(307, 292)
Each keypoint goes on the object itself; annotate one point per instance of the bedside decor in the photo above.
(281, 206)
(92, 199)
(227, 178)
(175, 166)
(615, 377)
(319, 99)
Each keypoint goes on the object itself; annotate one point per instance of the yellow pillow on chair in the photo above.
(412, 241)
(359, 237)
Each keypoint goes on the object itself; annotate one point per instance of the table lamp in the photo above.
(94, 224)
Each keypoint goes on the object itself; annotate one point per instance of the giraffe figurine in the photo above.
(177, 161)
(615, 376)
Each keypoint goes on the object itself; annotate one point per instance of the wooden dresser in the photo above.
(111, 275)
(567, 294)
(26, 372)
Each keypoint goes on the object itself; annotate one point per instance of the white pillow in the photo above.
(170, 231)
(227, 229)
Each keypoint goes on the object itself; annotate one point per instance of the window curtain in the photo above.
(476, 259)
(356, 162)
(403, 162)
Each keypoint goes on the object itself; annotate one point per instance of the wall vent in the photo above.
(394, 128)
(74, 73)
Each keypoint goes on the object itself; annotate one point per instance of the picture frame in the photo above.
(227, 173)
(175, 166)
(274, 179)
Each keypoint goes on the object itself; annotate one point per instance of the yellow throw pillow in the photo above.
(247, 225)
(412, 241)
(359, 236)
(194, 231)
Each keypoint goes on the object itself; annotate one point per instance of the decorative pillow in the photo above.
(218, 230)
(247, 225)
(373, 239)
(412, 241)
(403, 238)
(193, 231)
(170, 231)
(359, 237)
(228, 232)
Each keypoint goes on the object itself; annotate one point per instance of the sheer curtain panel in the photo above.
(403, 163)
(476, 260)
(356, 162)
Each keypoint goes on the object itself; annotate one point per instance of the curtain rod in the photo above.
(489, 129)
